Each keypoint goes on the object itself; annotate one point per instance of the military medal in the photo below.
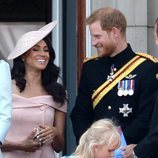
(125, 110)
(120, 89)
(111, 76)
(125, 86)
(131, 90)
(131, 84)
(125, 92)
(120, 92)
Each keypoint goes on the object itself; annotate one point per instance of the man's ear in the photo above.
(115, 31)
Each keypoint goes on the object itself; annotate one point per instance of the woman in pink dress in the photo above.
(39, 102)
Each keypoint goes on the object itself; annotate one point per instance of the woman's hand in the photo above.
(47, 134)
(29, 144)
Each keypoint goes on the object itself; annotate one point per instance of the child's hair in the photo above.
(101, 132)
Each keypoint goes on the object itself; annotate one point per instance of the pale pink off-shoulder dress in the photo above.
(27, 114)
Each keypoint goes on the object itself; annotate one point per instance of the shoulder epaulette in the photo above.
(148, 56)
(90, 58)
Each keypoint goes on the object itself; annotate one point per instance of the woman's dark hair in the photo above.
(49, 75)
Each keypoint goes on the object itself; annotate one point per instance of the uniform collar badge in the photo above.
(130, 76)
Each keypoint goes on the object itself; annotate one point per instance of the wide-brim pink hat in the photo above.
(29, 39)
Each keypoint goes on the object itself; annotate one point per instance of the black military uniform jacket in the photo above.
(135, 121)
(147, 148)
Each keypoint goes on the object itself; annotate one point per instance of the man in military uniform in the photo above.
(118, 84)
(147, 148)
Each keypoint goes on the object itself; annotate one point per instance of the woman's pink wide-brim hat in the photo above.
(29, 39)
